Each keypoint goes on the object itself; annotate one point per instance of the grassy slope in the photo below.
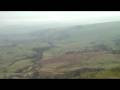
(65, 40)
(80, 37)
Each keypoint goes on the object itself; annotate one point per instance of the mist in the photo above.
(40, 17)
(21, 21)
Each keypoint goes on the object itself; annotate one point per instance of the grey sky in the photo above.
(32, 17)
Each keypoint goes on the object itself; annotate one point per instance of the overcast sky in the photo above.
(33, 17)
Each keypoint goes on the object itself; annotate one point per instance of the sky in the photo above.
(41, 17)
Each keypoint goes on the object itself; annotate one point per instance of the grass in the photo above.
(18, 55)
(19, 65)
(113, 73)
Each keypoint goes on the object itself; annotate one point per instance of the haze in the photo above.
(40, 17)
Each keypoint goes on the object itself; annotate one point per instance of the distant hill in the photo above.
(81, 34)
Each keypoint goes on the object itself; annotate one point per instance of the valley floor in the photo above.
(96, 65)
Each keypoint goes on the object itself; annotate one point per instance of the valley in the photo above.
(72, 52)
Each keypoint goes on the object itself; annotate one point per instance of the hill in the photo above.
(76, 51)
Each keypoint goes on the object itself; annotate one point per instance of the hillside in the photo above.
(76, 51)
(79, 37)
